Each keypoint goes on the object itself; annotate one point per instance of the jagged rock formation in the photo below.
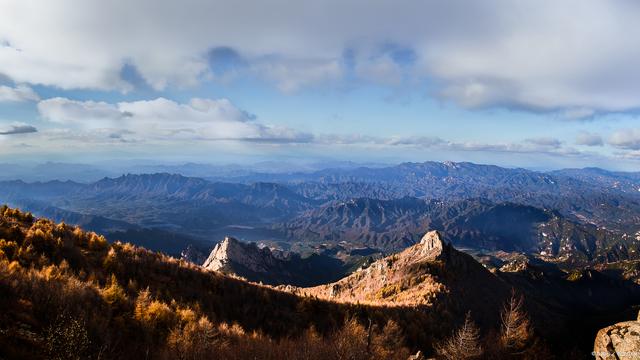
(249, 261)
(233, 256)
(618, 342)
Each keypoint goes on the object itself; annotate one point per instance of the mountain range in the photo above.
(471, 223)
(71, 293)
(576, 215)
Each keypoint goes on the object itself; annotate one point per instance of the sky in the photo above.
(540, 84)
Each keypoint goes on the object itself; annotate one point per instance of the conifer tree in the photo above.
(463, 344)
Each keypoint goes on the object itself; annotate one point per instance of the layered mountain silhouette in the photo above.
(472, 223)
(590, 215)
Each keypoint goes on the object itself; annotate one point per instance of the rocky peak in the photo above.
(234, 256)
(432, 243)
(230, 250)
(418, 275)
(432, 246)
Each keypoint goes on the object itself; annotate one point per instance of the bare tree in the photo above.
(463, 344)
(516, 332)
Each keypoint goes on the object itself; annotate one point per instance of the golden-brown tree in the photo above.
(516, 332)
(463, 344)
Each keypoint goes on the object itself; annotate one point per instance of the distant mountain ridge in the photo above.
(255, 207)
(173, 202)
(471, 223)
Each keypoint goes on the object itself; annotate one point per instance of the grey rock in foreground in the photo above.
(620, 341)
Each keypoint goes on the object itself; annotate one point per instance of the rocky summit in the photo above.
(273, 267)
(233, 256)
(424, 274)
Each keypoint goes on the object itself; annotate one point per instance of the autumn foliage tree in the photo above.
(463, 344)
(516, 332)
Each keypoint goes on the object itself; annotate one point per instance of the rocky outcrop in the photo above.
(432, 244)
(233, 256)
(618, 342)
(273, 267)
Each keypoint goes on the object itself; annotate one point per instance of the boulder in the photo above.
(618, 342)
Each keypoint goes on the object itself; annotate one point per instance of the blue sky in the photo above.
(540, 84)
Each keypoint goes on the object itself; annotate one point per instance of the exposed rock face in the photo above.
(432, 244)
(233, 256)
(273, 267)
(618, 342)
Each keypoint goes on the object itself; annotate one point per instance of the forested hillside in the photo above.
(69, 294)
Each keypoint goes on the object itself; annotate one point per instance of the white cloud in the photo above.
(578, 56)
(628, 139)
(90, 114)
(545, 142)
(163, 119)
(589, 139)
(17, 94)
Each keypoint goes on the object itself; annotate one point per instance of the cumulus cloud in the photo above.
(628, 139)
(589, 139)
(19, 93)
(578, 57)
(18, 129)
(202, 119)
(86, 113)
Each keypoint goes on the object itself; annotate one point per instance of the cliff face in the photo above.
(618, 342)
(245, 259)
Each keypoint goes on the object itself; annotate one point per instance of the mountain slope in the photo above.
(429, 273)
(435, 275)
(69, 294)
(473, 223)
